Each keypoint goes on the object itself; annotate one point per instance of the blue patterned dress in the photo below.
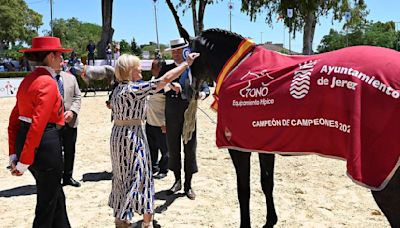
(132, 182)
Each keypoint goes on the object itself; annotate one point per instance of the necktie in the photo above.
(60, 85)
(182, 81)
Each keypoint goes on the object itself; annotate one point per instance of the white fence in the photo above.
(9, 86)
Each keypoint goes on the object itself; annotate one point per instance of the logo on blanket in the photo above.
(254, 95)
(261, 91)
(301, 80)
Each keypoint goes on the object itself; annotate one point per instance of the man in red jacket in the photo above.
(33, 131)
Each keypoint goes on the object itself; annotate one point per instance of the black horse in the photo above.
(216, 47)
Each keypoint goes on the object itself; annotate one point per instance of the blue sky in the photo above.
(135, 18)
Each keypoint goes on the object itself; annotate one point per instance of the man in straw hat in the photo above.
(33, 131)
(175, 106)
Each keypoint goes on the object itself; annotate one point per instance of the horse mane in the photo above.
(216, 33)
(220, 36)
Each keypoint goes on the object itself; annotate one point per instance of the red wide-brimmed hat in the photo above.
(46, 43)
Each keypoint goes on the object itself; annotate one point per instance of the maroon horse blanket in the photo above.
(343, 104)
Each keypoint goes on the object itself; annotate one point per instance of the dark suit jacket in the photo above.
(166, 68)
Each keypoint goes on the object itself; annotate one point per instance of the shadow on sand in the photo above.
(99, 176)
(25, 190)
(169, 199)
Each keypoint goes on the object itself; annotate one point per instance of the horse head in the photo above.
(215, 46)
(79, 70)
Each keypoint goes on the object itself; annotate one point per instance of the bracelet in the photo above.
(185, 63)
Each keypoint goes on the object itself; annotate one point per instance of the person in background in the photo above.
(155, 126)
(132, 182)
(176, 104)
(72, 58)
(24, 64)
(33, 132)
(91, 49)
(116, 52)
(71, 94)
(109, 54)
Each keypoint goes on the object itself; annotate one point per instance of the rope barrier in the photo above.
(209, 117)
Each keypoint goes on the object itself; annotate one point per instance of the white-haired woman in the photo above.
(132, 183)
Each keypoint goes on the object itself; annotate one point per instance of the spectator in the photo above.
(109, 54)
(24, 64)
(72, 104)
(72, 58)
(155, 126)
(91, 49)
(116, 52)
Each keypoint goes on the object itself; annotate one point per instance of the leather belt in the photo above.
(48, 125)
(130, 122)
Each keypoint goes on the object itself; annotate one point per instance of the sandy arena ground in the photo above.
(310, 191)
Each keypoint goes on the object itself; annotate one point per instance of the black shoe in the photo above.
(71, 181)
(176, 187)
(190, 194)
(160, 175)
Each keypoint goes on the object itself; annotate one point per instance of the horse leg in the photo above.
(92, 87)
(388, 200)
(267, 162)
(241, 162)
(87, 87)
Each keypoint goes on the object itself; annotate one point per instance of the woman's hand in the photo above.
(14, 171)
(191, 57)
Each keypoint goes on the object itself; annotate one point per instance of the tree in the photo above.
(18, 23)
(135, 49)
(333, 41)
(107, 30)
(381, 34)
(197, 14)
(75, 34)
(13, 52)
(152, 47)
(125, 47)
(306, 14)
(376, 34)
